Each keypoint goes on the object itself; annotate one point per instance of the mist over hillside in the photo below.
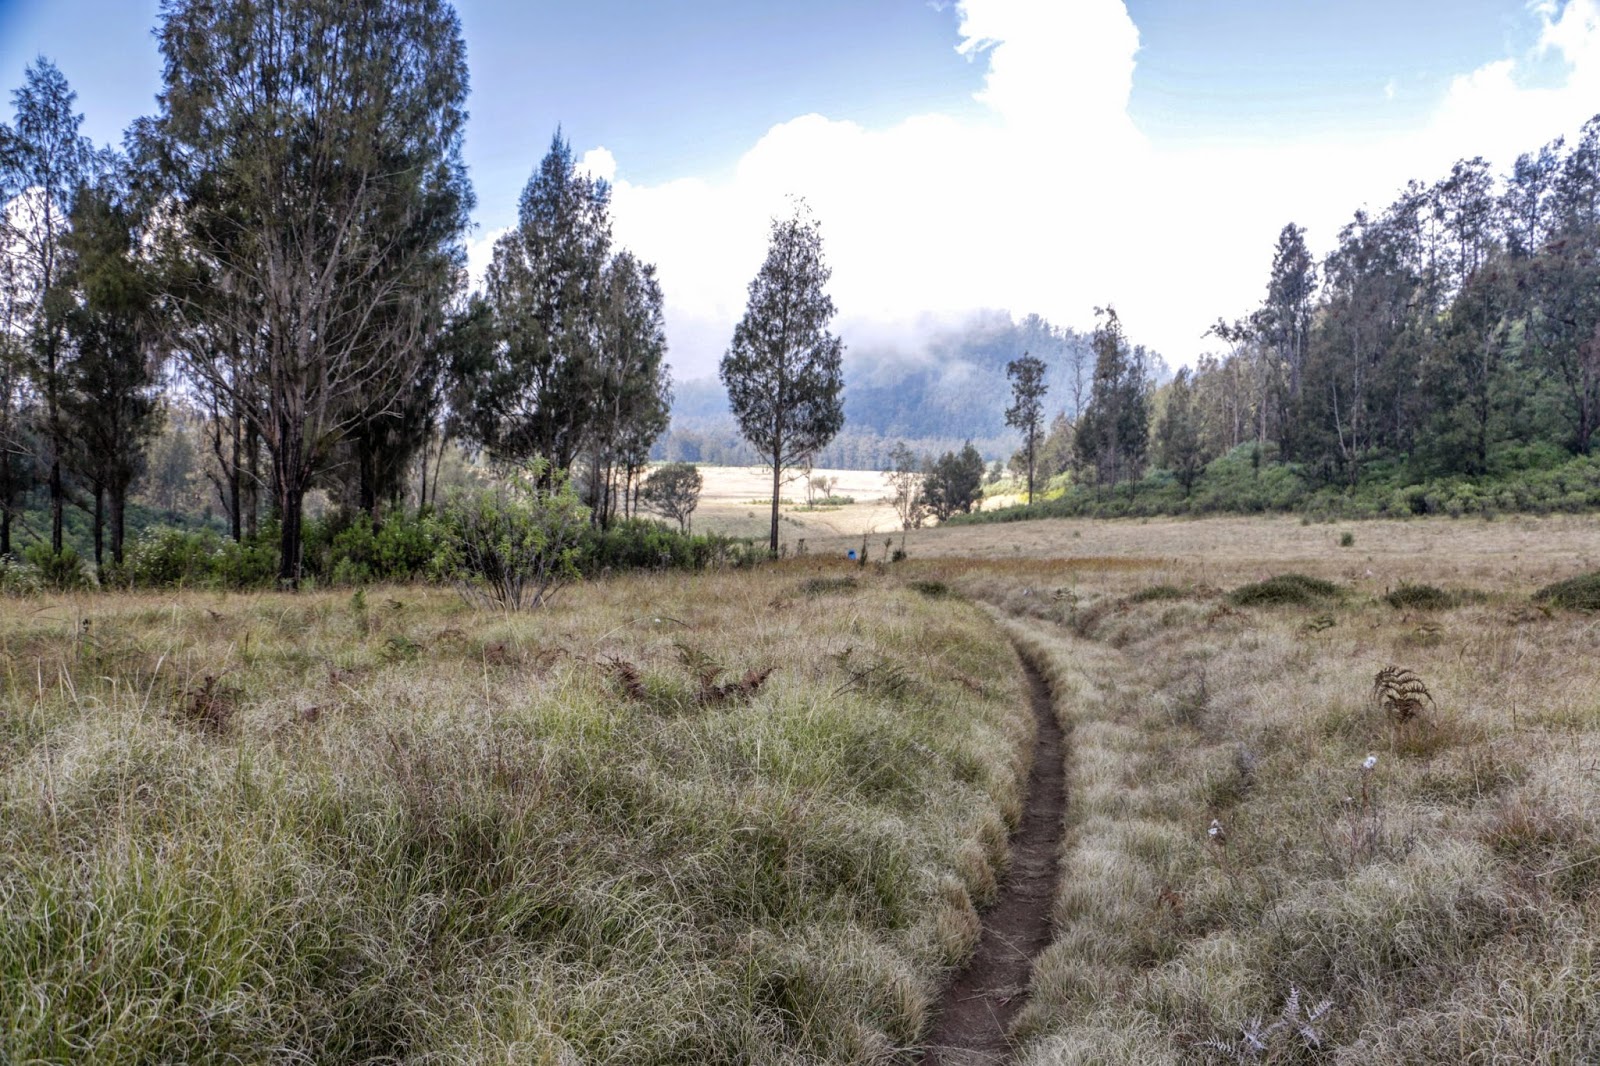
(934, 391)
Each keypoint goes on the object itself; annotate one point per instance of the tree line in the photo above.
(1455, 334)
(1456, 328)
(279, 249)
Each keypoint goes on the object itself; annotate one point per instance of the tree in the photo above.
(784, 370)
(1113, 434)
(1285, 319)
(673, 491)
(110, 397)
(308, 154)
(544, 288)
(954, 482)
(634, 392)
(1026, 412)
(1179, 445)
(43, 161)
(905, 485)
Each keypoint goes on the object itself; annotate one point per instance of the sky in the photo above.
(1045, 156)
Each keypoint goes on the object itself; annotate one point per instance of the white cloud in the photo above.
(1051, 200)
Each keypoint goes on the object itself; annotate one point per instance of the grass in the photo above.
(747, 816)
(1444, 902)
(386, 828)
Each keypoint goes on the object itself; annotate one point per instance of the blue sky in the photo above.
(1043, 155)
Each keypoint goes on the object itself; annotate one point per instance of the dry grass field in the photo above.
(736, 501)
(385, 828)
(1397, 875)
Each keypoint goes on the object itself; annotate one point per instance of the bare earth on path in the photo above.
(976, 1011)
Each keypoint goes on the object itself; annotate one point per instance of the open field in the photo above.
(736, 500)
(384, 828)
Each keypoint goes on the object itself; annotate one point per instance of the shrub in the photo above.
(1422, 598)
(1580, 593)
(164, 557)
(18, 578)
(1285, 590)
(57, 570)
(516, 545)
(401, 549)
(1154, 593)
(642, 544)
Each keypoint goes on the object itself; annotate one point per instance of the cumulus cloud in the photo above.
(1051, 200)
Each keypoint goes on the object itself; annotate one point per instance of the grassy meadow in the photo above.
(1441, 906)
(726, 818)
(750, 816)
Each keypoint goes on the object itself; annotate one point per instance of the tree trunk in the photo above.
(235, 500)
(777, 484)
(252, 489)
(56, 493)
(290, 509)
(119, 514)
(99, 527)
(5, 503)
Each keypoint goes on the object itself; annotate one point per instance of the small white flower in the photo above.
(1371, 761)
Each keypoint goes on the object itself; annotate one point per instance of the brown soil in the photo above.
(977, 1009)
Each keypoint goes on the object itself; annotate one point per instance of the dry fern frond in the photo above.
(628, 677)
(1400, 693)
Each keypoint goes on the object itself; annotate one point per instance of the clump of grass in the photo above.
(1158, 593)
(932, 589)
(1286, 590)
(824, 586)
(1421, 598)
(1580, 593)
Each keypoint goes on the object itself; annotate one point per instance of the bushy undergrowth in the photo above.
(1580, 593)
(1425, 597)
(343, 551)
(1297, 590)
(1532, 480)
(384, 828)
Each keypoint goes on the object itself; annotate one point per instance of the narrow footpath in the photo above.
(977, 1009)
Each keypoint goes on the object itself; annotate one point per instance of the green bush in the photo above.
(357, 553)
(164, 557)
(1296, 590)
(644, 544)
(57, 570)
(1580, 593)
(515, 545)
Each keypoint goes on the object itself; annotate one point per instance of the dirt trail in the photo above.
(978, 1007)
